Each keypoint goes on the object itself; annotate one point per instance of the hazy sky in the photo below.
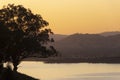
(71, 16)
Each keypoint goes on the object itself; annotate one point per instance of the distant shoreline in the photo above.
(76, 60)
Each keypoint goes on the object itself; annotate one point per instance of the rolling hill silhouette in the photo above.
(110, 33)
(90, 46)
(102, 48)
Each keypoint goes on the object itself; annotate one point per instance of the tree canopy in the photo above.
(23, 33)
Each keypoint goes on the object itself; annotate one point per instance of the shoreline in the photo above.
(114, 60)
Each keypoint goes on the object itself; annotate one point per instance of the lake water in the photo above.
(76, 71)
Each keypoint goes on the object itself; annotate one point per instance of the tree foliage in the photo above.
(23, 33)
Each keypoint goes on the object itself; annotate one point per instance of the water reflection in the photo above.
(81, 71)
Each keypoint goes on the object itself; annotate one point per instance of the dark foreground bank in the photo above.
(8, 74)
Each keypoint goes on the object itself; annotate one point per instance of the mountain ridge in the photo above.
(59, 37)
(91, 48)
(89, 45)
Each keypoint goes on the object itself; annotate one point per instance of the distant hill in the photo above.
(93, 48)
(58, 37)
(110, 33)
(89, 46)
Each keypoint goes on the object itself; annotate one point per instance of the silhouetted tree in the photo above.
(22, 34)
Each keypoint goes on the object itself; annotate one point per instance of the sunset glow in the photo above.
(75, 16)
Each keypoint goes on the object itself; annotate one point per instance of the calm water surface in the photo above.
(79, 71)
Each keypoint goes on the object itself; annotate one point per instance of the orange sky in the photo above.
(71, 16)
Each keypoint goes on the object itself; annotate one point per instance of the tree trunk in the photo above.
(1, 65)
(15, 67)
